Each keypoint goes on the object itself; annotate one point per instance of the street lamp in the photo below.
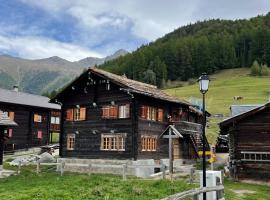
(204, 83)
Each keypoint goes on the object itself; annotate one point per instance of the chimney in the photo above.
(15, 88)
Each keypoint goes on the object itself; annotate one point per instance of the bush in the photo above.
(259, 70)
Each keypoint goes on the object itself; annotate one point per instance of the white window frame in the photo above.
(114, 141)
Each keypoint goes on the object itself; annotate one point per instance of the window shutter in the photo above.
(11, 115)
(113, 112)
(69, 115)
(82, 113)
(39, 135)
(10, 131)
(160, 115)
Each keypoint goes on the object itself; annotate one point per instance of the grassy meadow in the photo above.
(223, 87)
(49, 185)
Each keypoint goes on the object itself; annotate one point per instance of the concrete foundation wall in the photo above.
(106, 166)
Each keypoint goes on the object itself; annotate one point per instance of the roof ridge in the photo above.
(123, 77)
(24, 93)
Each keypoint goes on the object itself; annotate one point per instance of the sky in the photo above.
(75, 29)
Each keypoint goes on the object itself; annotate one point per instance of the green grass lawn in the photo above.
(223, 87)
(49, 185)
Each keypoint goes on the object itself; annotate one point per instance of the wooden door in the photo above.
(176, 149)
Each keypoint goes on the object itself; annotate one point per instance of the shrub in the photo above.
(259, 70)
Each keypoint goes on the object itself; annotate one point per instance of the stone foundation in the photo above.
(106, 166)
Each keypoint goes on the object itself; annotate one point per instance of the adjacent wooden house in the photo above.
(33, 114)
(249, 142)
(109, 116)
(5, 122)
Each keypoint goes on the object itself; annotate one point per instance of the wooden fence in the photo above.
(194, 194)
(61, 167)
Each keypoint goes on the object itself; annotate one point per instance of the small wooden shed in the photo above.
(249, 143)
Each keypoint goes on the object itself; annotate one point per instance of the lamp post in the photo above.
(204, 83)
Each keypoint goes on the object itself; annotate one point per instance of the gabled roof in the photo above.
(238, 109)
(243, 115)
(21, 98)
(130, 85)
(174, 132)
(5, 120)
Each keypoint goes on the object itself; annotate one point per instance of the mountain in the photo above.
(91, 61)
(206, 46)
(44, 75)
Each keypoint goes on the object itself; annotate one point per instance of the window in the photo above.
(39, 134)
(53, 120)
(57, 120)
(70, 141)
(37, 118)
(76, 114)
(10, 115)
(109, 112)
(149, 113)
(160, 115)
(113, 142)
(124, 111)
(149, 143)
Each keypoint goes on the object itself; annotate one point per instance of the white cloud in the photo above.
(41, 47)
(151, 18)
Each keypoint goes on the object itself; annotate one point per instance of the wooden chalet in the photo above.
(112, 117)
(249, 142)
(33, 114)
(5, 122)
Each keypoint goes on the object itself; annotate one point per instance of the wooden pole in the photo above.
(124, 172)
(170, 154)
(62, 168)
(1, 147)
(38, 167)
(163, 169)
(19, 167)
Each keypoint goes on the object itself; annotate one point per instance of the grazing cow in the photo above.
(238, 97)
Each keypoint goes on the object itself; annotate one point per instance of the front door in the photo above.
(176, 149)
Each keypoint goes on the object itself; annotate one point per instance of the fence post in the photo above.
(195, 197)
(191, 175)
(124, 172)
(90, 169)
(163, 169)
(62, 166)
(38, 167)
(19, 167)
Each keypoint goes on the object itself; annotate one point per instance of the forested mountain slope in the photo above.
(205, 46)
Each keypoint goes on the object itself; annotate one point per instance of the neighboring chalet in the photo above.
(5, 122)
(33, 114)
(249, 141)
(108, 116)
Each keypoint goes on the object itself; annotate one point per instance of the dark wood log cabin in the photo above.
(249, 143)
(5, 122)
(109, 116)
(33, 115)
